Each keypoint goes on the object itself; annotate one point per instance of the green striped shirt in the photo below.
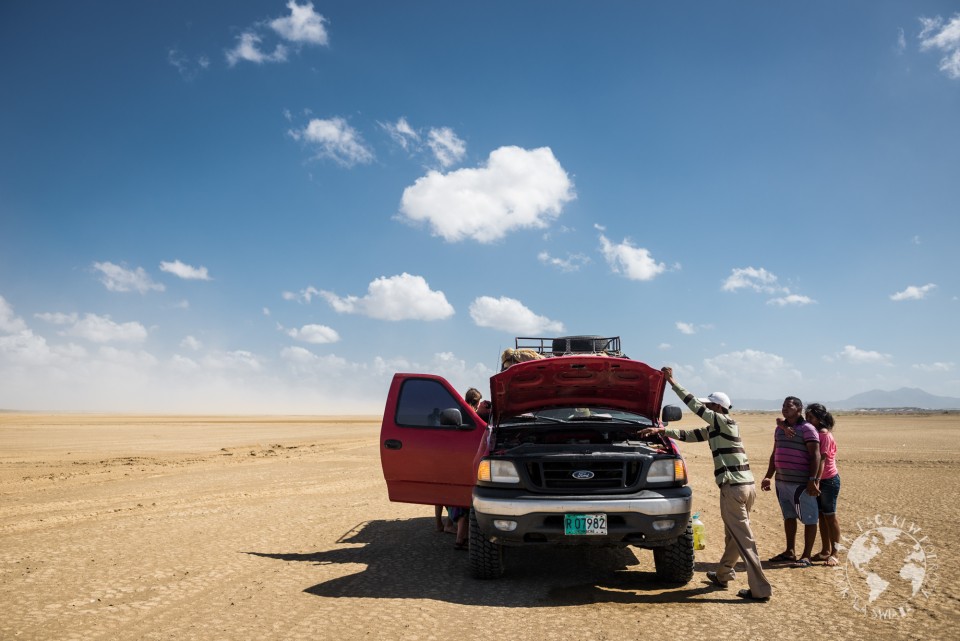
(730, 464)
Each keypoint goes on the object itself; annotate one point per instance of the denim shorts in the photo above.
(795, 503)
(829, 491)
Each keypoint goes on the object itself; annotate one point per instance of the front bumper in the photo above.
(640, 519)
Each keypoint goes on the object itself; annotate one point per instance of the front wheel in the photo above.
(486, 558)
(674, 562)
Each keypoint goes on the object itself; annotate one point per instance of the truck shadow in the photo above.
(408, 559)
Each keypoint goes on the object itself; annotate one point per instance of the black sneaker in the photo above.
(712, 576)
(747, 594)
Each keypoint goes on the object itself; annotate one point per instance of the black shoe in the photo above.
(747, 594)
(712, 576)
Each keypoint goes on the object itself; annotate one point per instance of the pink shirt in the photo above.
(828, 451)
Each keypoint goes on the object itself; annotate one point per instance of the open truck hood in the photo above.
(577, 381)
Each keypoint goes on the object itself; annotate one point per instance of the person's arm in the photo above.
(701, 433)
(771, 470)
(813, 482)
(691, 402)
(823, 459)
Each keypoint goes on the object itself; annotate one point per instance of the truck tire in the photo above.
(486, 558)
(674, 562)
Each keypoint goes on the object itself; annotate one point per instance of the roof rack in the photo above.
(565, 345)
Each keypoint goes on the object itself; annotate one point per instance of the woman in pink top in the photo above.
(828, 484)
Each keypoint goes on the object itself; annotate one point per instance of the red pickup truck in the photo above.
(560, 461)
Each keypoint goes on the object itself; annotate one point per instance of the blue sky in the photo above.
(269, 207)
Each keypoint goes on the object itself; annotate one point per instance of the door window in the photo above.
(422, 400)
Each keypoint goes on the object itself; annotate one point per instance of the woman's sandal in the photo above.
(783, 557)
(831, 561)
(802, 563)
(820, 556)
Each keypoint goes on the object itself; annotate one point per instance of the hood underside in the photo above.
(577, 381)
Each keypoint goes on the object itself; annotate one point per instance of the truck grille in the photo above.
(606, 475)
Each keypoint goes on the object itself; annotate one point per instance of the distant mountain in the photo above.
(874, 399)
(903, 397)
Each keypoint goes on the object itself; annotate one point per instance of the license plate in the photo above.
(584, 524)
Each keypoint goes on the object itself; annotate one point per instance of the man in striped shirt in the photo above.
(795, 460)
(737, 489)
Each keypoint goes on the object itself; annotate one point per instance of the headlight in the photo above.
(493, 471)
(667, 470)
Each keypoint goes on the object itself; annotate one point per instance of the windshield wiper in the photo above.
(611, 419)
(530, 418)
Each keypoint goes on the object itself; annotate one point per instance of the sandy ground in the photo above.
(135, 527)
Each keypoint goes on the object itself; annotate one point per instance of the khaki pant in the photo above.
(736, 501)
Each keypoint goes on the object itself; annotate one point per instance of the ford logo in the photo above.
(582, 475)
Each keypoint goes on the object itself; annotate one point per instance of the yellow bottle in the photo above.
(699, 533)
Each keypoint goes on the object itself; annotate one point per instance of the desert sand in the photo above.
(153, 527)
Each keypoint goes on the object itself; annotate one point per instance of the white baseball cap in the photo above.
(719, 398)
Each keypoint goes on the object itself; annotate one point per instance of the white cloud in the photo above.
(100, 329)
(686, 328)
(443, 143)
(913, 292)
(9, 322)
(691, 328)
(935, 367)
(335, 139)
(120, 279)
(945, 37)
(187, 272)
(183, 364)
(664, 346)
(187, 68)
(791, 299)
(128, 359)
(241, 360)
(635, 263)
(403, 297)
(57, 318)
(316, 334)
(248, 48)
(191, 343)
(25, 348)
(901, 41)
(759, 280)
(304, 296)
(303, 358)
(447, 148)
(402, 133)
(510, 315)
(516, 189)
(853, 354)
(572, 263)
(762, 281)
(303, 25)
(760, 372)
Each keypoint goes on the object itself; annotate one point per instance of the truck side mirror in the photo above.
(451, 416)
(670, 413)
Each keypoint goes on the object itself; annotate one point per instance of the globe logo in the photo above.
(886, 568)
